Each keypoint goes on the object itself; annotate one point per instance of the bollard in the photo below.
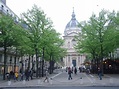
(24, 82)
(111, 81)
(39, 81)
(9, 83)
(94, 80)
(81, 80)
(51, 81)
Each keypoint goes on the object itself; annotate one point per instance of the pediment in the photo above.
(72, 34)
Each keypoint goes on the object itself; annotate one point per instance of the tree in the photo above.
(6, 37)
(42, 35)
(98, 36)
(21, 43)
(36, 21)
(115, 23)
(52, 44)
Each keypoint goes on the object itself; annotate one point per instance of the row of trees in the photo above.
(99, 37)
(32, 35)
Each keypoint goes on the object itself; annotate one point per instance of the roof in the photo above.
(73, 23)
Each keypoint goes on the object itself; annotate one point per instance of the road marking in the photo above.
(56, 75)
(91, 75)
(89, 79)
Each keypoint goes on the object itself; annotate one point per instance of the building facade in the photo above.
(12, 61)
(73, 58)
(15, 62)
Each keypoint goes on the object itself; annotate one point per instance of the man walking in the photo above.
(69, 73)
(100, 73)
(75, 71)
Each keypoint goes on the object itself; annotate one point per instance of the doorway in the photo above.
(74, 63)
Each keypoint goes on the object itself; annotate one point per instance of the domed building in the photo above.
(72, 59)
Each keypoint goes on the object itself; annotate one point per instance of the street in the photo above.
(76, 87)
(59, 80)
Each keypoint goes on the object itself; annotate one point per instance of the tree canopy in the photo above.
(99, 34)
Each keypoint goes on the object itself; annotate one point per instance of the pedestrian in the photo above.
(69, 73)
(22, 76)
(87, 71)
(75, 70)
(31, 73)
(16, 75)
(27, 74)
(100, 73)
(46, 78)
(80, 69)
(8, 76)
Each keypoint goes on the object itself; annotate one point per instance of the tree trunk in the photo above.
(29, 62)
(43, 62)
(5, 57)
(32, 62)
(15, 64)
(36, 62)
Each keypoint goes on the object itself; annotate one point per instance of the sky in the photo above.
(60, 11)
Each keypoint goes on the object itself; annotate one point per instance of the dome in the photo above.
(73, 23)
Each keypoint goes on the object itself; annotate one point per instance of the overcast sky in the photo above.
(59, 11)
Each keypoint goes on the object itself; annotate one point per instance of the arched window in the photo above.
(73, 42)
(68, 44)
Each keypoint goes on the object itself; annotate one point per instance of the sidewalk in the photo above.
(107, 80)
(31, 83)
(60, 79)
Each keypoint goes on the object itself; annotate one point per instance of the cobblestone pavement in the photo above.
(61, 79)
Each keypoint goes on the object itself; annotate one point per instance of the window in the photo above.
(68, 44)
(0, 57)
(73, 42)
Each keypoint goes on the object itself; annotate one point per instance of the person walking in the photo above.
(22, 76)
(27, 74)
(75, 71)
(100, 73)
(31, 73)
(8, 76)
(16, 76)
(69, 73)
(46, 78)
